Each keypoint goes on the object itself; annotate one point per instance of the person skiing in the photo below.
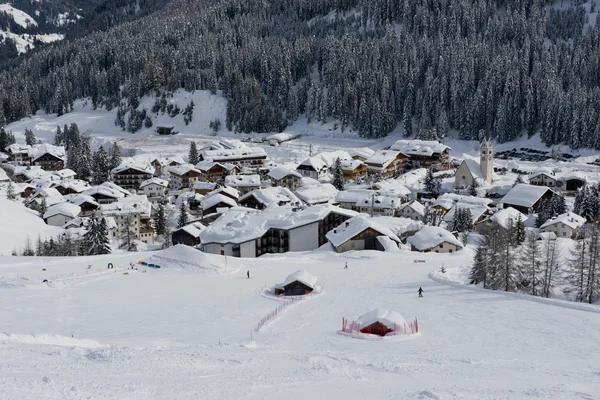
(346, 266)
(248, 273)
(420, 292)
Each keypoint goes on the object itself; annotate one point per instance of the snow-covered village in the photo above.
(210, 199)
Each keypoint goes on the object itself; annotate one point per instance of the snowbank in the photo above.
(184, 258)
(50, 339)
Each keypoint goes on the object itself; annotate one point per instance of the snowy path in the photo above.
(169, 334)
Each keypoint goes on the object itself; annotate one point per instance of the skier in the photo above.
(248, 273)
(346, 266)
(420, 292)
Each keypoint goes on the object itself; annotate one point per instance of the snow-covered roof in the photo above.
(142, 168)
(325, 159)
(419, 147)
(416, 206)
(570, 219)
(183, 169)
(547, 235)
(233, 154)
(382, 158)
(201, 185)
(504, 216)
(31, 172)
(314, 162)
(270, 195)
(451, 198)
(104, 191)
(303, 277)
(477, 211)
(205, 166)
(364, 198)
(168, 161)
(430, 236)
(228, 190)
(473, 167)
(524, 195)
(80, 199)
(391, 319)
(81, 222)
(281, 137)
(46, 192)
(137, 204)
(243, 180)
(542, 171)
(350, 165)
(212, 200)
(154, 181)
(413, 178)
(39, 150)
(67, 209)
(65, 173)
(116, 187)
(363, 152)
(239, 225)
(356, 225)
(278, 173)
(3, 176)
(16, 148)
(392, 187)
(194, 229)
(317, 194)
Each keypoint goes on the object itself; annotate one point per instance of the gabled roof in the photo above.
(138, 167)
(570, 219)
(382, 157)
(194, 229)
(415, 205)
(138, 204)
(474, 168)
(477, 211)
(430, 236)
(205, 185)
(504, 216)
(154, 181)
(278, 173)
(354, 226)
(206, 166)
(212, 200)
(228, 190)
(243, 180)
(67, 209)
(542, 171)
(233, 154)
(391, 319)
(363, 152)
(303, 277)
(79, 199)
(65, 173)
(316, 194)
(392, 187)
(270, 195)
(183, 169)
(419, 147)
(524, 195)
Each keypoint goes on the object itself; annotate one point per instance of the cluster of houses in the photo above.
(241, 204)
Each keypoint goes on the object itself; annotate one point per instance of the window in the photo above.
(441, 245)
(463, 177)
(353, 244)
(450, 251)
(564, 233)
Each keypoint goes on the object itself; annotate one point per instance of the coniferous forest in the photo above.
(510, 67)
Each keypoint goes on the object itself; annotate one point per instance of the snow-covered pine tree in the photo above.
(29, 137)
(519, 233)
(558, 205)
(43, 207)
(591, 292)
(85, 159)
(115, 156)
(549, 265)
(193, 154)
(101, 167)
(58, 137)
(432, 183)
(338, 175)
(473, 188)
(543, 213)
(578, 263)
(10, 191)
(183, 214)
(103, 246)
(480, 269)
(161, 221)
(519, 180)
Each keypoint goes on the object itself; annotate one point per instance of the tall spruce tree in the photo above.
(161, 221)
(29, 137)
(193, 154)
(128, 233)
(338, 175)
(115, 156)
(531, 259)
(100, 166)
(183, 215)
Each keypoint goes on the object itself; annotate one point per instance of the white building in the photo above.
(468, 172)
(434, 239)
(506, 218)
(133, 212)
(283, 176)
(486, 160)
(413, 210)
(184, 176)
(243, 183)
(155, 188)
(567, 225)
(61, 213)
(362, 233)
(543, 177)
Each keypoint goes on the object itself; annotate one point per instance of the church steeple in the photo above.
(486, 158)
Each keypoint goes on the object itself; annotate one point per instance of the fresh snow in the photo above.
(389, 318)
(21, 18)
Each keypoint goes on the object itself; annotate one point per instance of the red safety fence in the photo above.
(354, 327)
(270, 316)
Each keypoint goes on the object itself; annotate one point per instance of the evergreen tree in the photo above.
(519, 180)
(338, 175)
(183, 215)
(531, 259)
(115, 156)
(473, 188)
(85, 159)
(96, 239)
(161, 221)
(39, 247)
(128, 233)
(193, 154)
(578, 263)
(58, 137)
(29, 137)
(10, 191)
(43, 207)
(101, 167)
(479, 271)
(28, 249)
(543, 213)
(432, 183)
(519, 233)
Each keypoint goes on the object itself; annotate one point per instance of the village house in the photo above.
(28, 173)
(361, 154)
(252, 157)
(61, 213)
(65, 174)
(212, 171)
(215, 202)
(354, 169)
(526, 198)
(285, 177)
(107, 193)
(467, 172)
(188, 234)
(317, 193)
(227, 191)
(242, 232)
(374, 203)
(243, 183)
(262, 198)
(184, 176)
(362, 233)
(567, 225)
(543, 177)
(48, 194)
(204, 188)
(19, 153)
(299, 283)
(386, 163)
(86, 203)
(155, 189)
(412, 210)
(424, 153)
(79, 225)
(161, 165)
(165, 130)
(313, 167)
(505, 218)
(48, 157)
(130, 176)
(134, 213)
(478, 212)
(434, 239)
(72, 186)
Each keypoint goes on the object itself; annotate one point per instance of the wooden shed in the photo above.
(381, 322)
(299, 283)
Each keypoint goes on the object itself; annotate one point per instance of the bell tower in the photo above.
(486, 158)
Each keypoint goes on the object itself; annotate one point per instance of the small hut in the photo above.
(381, 322)
(297, 284)
(165, 130)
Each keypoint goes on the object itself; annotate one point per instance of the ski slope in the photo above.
(178, 333)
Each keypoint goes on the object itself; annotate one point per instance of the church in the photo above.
(470, 170)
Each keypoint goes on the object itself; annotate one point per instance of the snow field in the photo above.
(171, 333)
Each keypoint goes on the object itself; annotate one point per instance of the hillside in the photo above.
(367, 66)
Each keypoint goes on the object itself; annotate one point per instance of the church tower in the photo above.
(486, 159)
